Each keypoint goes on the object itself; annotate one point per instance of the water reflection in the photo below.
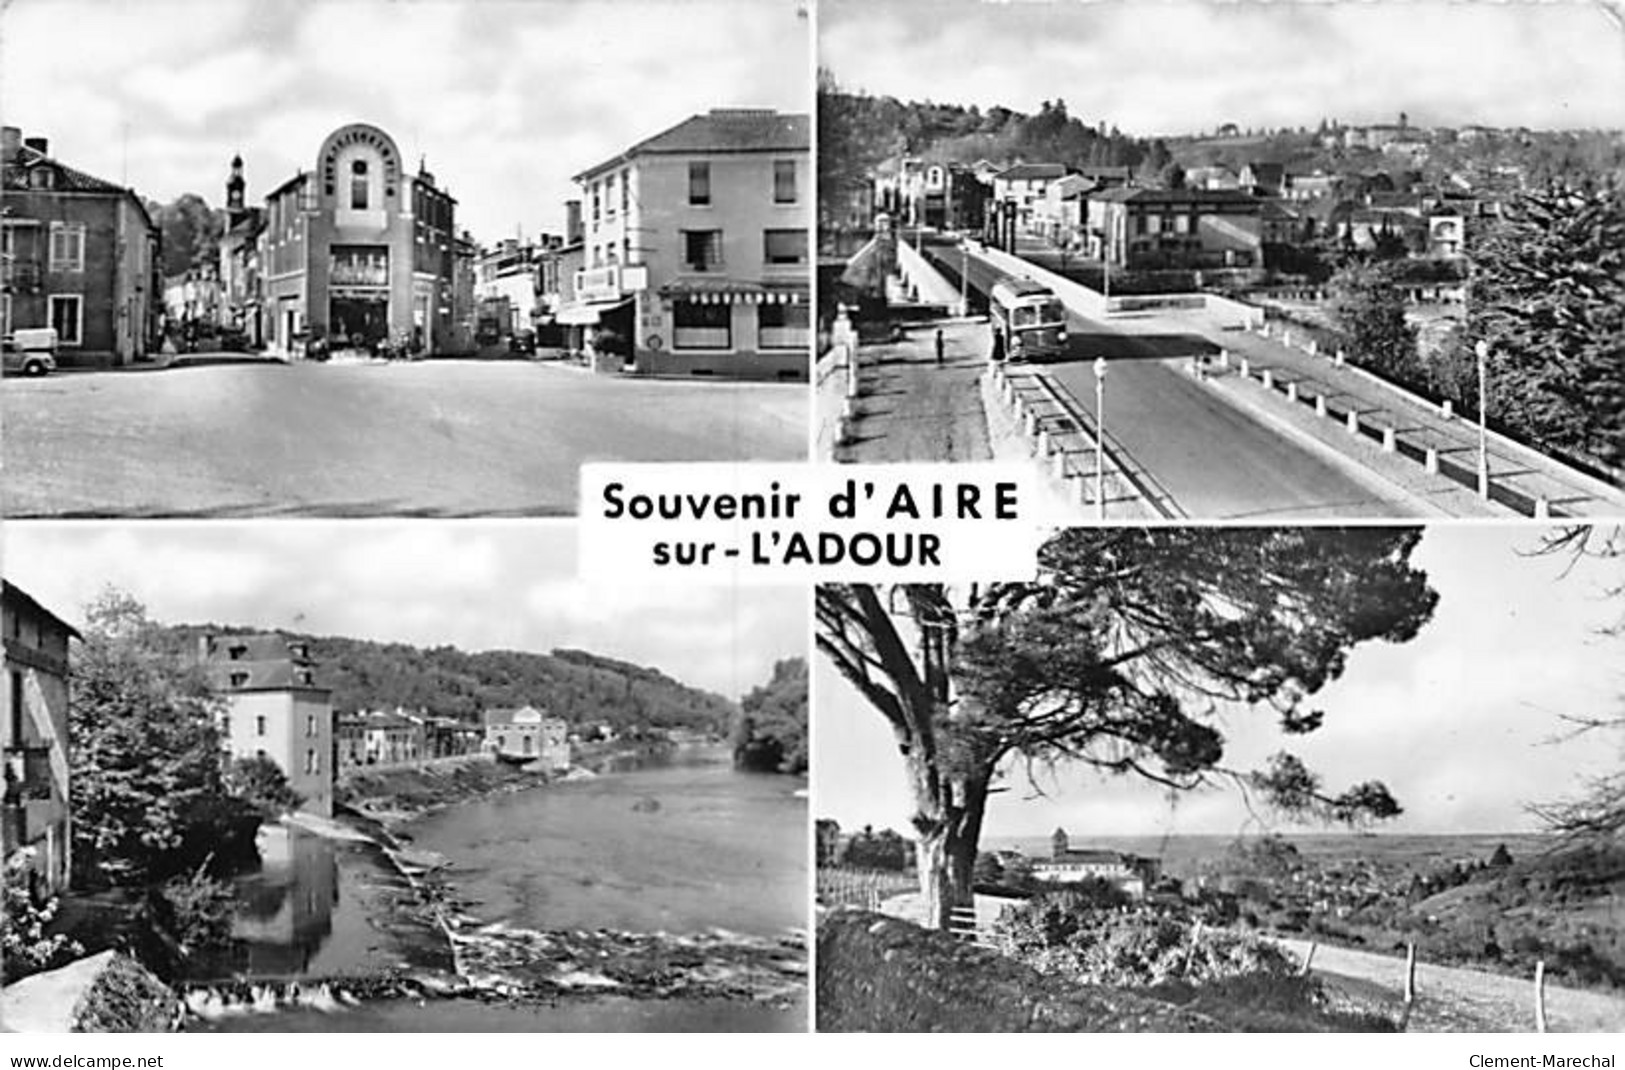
(285, 911)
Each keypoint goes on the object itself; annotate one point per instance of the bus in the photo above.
(1029, 321)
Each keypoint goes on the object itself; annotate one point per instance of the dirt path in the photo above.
(1453, 999)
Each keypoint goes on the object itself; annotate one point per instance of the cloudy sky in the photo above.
(507, 99)
(1457, 722)
(475, 585)
(1152, 67)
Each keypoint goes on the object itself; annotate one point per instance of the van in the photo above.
(29, 350)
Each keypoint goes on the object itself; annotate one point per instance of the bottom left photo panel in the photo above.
(411, 776)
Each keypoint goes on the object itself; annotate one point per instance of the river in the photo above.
(685, 846)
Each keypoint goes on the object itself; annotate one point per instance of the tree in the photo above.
(190, 232)
(770, 733)
(1119, 657)
(1369, 311)
(262, 783)
(1548, 295)
(149, 796)
(1597, 813)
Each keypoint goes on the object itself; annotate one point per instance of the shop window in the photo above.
(782, 326)
(702, 325)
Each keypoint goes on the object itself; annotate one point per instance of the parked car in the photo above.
(31, 351)
(522, 342)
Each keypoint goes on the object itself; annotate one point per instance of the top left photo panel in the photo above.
(367, 258)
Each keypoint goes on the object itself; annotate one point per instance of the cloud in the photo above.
(1182, 67)
(507, 100)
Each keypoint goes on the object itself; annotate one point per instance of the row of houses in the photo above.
(275, 707)
(1217, 218)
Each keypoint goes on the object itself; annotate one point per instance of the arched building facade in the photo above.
(359, 253)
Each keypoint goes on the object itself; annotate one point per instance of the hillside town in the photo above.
(1375, 274)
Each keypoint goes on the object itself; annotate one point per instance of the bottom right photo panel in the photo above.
(1195, 779)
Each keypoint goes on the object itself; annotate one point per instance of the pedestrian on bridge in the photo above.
(939, 347)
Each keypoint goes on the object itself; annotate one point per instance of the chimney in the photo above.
(38, 144)
(11, 139)
(572, 223)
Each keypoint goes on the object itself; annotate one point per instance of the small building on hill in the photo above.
(1068, 865)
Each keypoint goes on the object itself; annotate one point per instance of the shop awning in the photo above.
(735, 291)
(585, 313)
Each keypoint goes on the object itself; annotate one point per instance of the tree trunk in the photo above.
(947, 827)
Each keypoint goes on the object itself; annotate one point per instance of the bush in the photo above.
(196, 912)
(25, 945)
(1069, 936)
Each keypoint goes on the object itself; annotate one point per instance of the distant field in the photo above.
(1182, 856)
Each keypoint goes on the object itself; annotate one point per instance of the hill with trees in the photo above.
(770, 730)
(581, 687)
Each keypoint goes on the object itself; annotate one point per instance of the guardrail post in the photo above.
(1292, 391)
(1543, 509)
(1447, 409)
(1042, 443)
(1353, 422)
(1540, 996)
(1269, 379)
(1390, 440)
(1340, 359)
(1029, 423)
(1314, 347)
(1060, 465)
(1320, 404)
(1286, 336)
(1430, 461)
(1246, 367)
(1224, 358)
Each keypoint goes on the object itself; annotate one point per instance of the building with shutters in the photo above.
(77, 253)
(34, 815)
(695, 250)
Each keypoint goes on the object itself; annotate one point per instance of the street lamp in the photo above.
(1483, 351)
(1100, 438)
(964, 277)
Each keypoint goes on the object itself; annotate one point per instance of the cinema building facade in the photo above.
(358, 253)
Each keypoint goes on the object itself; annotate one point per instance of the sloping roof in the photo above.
(1030, 171)
(262, 676)
(255, 646)
(1139, 194)
(23, 599)
(69, 179)
(723, 130)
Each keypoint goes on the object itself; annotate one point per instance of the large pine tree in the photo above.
(1548, 295)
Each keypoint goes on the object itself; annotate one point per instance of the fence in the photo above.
(864, 889)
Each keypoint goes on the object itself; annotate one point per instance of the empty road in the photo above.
(435, 438)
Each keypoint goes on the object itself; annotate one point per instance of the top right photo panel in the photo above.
(1230, 261)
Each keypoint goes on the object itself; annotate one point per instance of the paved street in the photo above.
(436, 438)
(1215, 461)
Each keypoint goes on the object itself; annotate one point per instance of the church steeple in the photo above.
(1059, 843)
(234, 187)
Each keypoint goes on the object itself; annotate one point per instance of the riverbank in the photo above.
(543, 972)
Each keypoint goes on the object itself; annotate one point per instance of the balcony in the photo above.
(20, 277)
(28, 773)
(611, 282)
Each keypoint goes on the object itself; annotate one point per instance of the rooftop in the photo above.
(722, 130)
(1028, 171)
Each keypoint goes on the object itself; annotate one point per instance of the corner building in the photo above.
(695, 249)
(359, 252)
